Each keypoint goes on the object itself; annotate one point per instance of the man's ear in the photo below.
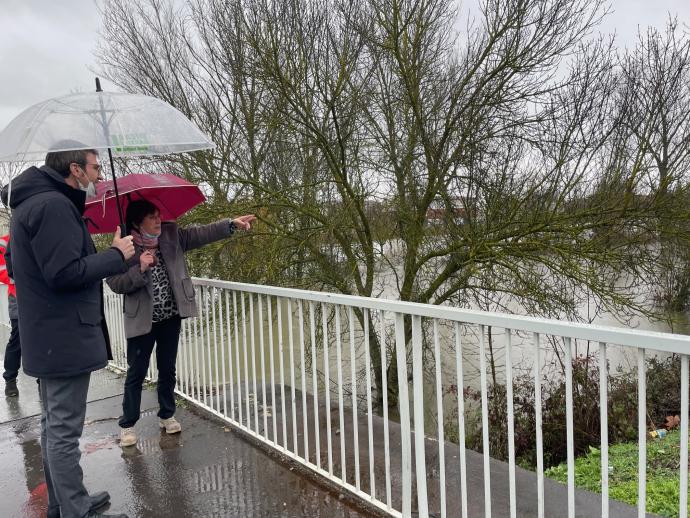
(74, 169)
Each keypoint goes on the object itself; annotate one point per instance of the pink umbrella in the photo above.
(171, 194)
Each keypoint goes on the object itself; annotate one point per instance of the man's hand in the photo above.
(146, 260)
(244, 222)
(123, 244)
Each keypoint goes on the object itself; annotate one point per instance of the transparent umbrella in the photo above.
(123, 124)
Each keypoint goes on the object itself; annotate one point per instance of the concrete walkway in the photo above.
(205, 471)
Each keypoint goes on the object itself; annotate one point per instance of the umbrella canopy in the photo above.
(128, 124)
(172, 195)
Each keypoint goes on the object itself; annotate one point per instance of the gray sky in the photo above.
(46, 46)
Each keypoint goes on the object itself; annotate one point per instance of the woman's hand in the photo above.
(146, 260)
(244, 222)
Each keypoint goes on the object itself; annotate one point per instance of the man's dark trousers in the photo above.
(13, 353)
(62, 422)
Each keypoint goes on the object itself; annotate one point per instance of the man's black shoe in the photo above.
(95, 514)
(11, 389)
(98, 500)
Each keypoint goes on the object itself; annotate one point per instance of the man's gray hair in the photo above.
(75, 152)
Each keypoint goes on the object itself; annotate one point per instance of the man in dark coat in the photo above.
(58, 275)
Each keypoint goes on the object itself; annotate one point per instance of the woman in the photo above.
(158, 294)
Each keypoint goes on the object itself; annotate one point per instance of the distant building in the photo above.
(437, 213)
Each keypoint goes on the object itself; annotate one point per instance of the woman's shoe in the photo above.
(128, 437)
(171, 425)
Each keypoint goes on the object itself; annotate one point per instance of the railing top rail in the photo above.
(668, 342)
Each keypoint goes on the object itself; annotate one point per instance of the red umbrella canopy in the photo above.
(171, 194)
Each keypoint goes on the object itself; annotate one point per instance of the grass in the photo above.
(663, 473)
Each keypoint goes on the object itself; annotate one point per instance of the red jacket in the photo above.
(4, 277)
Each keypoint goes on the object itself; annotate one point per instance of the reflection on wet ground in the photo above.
(204, 471)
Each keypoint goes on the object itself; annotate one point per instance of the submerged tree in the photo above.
(391, 151)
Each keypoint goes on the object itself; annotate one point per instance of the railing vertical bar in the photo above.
(511, 423)
(684, 436)
(485, 423)
(569, 425)
(228, 331)
(208, 396)
(252, 324)
(327, 384)
(404, 408)
(341, 410)
(123, 336)
(192, 356)
(315, 385)
(642, 432)
(271, 359)
(537, 411)
(245, 358)
(182, 359)
(370, 412)
(603, 417)
(198, 329)
(384, 398)
(439, 420)
(305, 424)
(353, 380)
(293, 396)
(281, 354)
(418, 402)
(221, 331)
(179, 369)
(237, 357)
(121, 326)
(114, 322)
(461, 419)
(262, 359)
(215, 347)
(154, 367)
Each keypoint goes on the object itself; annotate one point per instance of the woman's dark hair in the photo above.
(137, 210)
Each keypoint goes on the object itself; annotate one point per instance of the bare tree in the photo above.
(388, 154)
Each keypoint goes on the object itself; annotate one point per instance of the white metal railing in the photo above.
(252, 346)
(4, 308)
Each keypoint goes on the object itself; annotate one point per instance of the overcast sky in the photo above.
(46, 46)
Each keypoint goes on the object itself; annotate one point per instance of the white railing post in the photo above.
(341, 409)
(440, 418)
(461, 419)
(511, 423)
(569, 426)
(684, 436)
(485, 424)
(327, 383)
(384, 398)
(418, 400)
(603, 415)
(404, 408)
(353, 385)
(537, 411)
(642, 432)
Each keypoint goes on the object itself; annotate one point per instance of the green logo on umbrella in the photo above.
(131, 142)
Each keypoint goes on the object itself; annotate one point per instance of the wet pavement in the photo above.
(207, 470)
